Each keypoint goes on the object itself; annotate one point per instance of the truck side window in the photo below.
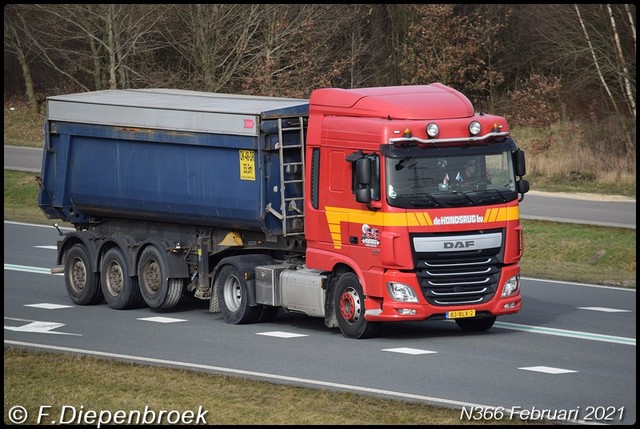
(375, 177)
(315, 178)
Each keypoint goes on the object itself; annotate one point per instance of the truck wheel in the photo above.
(349, 303)
(120, 290)
(83, 286)
(233, 297)
(476, 325)
(157, 289)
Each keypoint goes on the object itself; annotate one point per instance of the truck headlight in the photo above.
(511, 287)
(401, 292)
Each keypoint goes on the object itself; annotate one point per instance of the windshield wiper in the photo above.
(489, 195)
(426, 201)
(457, 202)
(405, 162)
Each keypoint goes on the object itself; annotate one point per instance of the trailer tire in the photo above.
(233, 297)
(158, 291)
(476, 325)
(120, 290)
(349, 304)
(83, 285)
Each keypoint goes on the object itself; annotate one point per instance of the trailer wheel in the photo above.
(476, 325)
(157, 289)
(83, 286)
(119, 288)
(349, 303)
(233, 297)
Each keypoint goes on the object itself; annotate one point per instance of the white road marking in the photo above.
(281, 334)
(548, 369)
(160, 319)
(39, 328)
(605, 309)
(566, 333)
(48, 306)
(27, 269)
(409, 351)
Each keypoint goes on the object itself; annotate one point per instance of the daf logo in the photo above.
(459, 244)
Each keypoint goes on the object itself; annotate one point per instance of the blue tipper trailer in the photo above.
(161, 183)
(175, 156)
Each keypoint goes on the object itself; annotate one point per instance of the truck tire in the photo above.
(233, 297)
(349, 304)
(120, 290)
(83, 286)
(476, 325)
(157, 289)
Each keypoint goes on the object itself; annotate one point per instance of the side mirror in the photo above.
(363, 195)
(363, 172)
(522, 186)
(363, 180)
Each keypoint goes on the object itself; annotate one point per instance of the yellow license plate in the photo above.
(459, 314)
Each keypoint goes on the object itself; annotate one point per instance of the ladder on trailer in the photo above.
(292, 169)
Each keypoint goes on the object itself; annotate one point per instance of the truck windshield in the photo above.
(450, 180)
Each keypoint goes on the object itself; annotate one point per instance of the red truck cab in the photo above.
(390, 212)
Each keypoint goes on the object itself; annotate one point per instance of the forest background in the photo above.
(564, 75)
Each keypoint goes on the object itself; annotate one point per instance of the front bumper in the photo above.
(386, 309)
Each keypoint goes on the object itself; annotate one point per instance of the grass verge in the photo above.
(34, 379)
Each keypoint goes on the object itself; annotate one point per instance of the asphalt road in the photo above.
(583, 208)
(570, 351)
(22, 158)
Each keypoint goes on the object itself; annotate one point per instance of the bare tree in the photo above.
(287, 50)
(625, 75)
(319, 50)
(300, 48)
(453, 45)
(617, 72)
(265, 49)
(213, 42)
(381, 31)
(17, 43)
(94, 45)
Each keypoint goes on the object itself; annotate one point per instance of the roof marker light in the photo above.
(432, 129)
(474, 128)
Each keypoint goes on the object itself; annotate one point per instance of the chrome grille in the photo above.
(459, 277)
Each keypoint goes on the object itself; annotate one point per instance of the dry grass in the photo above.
(579, 253)
(36, 379)
(569, 157)
(21, 127)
